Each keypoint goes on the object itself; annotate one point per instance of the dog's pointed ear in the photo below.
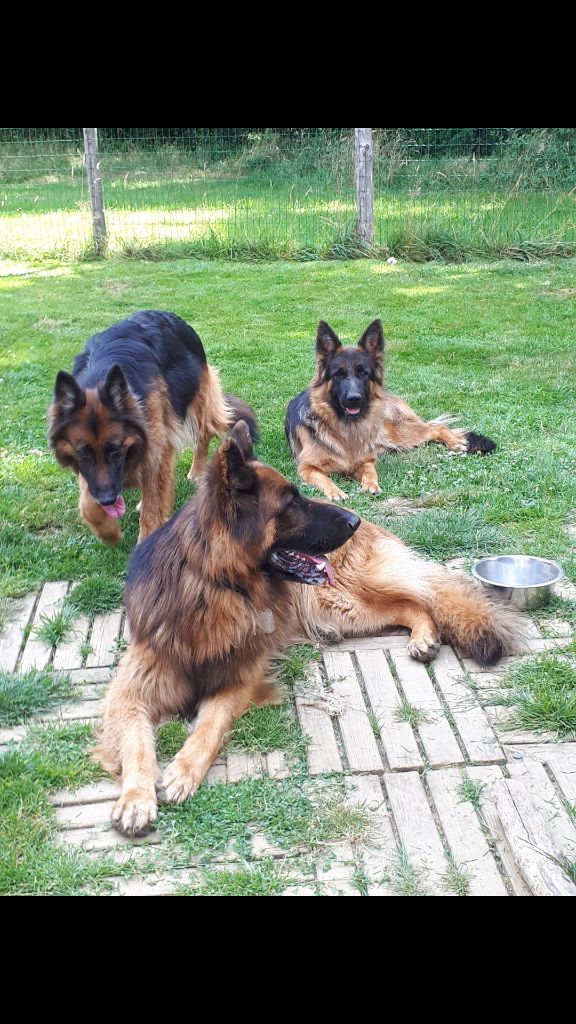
(373, 341)
(327, 342)
(115, 391)
(241, 435)
(68, 395)
(235, 467)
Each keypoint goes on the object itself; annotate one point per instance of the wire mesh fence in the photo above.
(258, 193)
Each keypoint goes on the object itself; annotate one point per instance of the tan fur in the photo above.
(380, 582)
(208, 416)
(108, 530)
(199, 608)
(352, 447)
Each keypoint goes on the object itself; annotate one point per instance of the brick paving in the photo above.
(406, 774)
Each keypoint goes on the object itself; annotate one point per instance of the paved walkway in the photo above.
(408, 776)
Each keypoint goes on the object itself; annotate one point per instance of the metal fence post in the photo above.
(96, 193)
(363, 162)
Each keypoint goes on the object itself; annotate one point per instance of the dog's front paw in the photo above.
(335, 494)
(178, 782)
(135, 812)
(423, 648)
(370, 488)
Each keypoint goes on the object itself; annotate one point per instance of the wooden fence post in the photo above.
(363, 162)
(95, 186)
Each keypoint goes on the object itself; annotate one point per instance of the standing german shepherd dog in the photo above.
(139, 392)
(345, 419)
(217, 591)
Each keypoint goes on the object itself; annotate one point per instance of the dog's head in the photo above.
(349, 373)
(98, 432)
(275, 527)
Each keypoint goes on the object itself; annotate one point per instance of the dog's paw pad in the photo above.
(423, 649)
(178, 783)
(134, 814)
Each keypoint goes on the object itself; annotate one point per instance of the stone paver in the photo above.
(398, 739)
(357, 735)
(438, 739)
(36, 653)
(105, 633)
(12, 638)
(471, 720)
(464, 834)
(404, 771)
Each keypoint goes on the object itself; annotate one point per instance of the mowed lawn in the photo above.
(492, 343)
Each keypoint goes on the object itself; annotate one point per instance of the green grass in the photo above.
(293, 664)
(456, 880)
(263, 879)
(407, 712)
(5, 613)
(491, 342)
(170, 738)
(569, 867)
(360, 881)
(276, 727)
(269, 728)
(374, 723)
(404, 878)
(98, 593)
(471, 791)
(31, 864)
(268, 202)
(541, 693)
(294, 813)
(22, 696)
(54, 629)
(570, 811)
(557, 608)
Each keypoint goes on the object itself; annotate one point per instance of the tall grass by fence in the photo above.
(259, 193)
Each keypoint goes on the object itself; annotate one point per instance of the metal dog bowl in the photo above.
(521, 579)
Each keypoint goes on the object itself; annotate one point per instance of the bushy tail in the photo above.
(211, 415)
(483, 628)
(214, 412)
(242, 411)
(478, 444)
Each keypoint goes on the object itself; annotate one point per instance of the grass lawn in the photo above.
(254, 219)
(490, 342)
(266, 203)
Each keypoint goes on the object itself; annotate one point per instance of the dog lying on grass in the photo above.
(345, 420)
(238, 574)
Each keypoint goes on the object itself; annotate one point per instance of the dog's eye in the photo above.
(292, 503)
(361, 372)
(114, 451)
(339, 374)
(84, 453)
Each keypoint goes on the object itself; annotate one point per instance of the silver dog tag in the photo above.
(267, 622)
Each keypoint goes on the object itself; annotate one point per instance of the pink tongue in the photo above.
(117, 510)
(327, 568)
(352, 412)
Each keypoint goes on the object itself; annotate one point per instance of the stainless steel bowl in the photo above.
(521, 579)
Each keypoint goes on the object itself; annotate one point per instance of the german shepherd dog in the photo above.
(138, 393)
(345, 419)
(220, 589)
